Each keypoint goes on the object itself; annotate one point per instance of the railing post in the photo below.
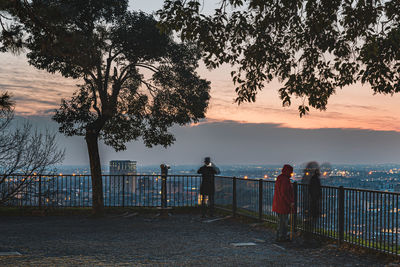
(123, 190)
(164, 174)
(341, 215)
(295, 194)
(40, 191)
(234, 200)
(260, 199)
(164, 191)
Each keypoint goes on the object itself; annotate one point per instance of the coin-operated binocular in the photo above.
(164, 173)
(164, 169)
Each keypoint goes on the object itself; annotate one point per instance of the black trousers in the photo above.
(210, 204)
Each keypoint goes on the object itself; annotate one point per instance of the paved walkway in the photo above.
(146, 240)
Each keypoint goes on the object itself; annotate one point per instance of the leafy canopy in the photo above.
(312, 46)
(136, 81)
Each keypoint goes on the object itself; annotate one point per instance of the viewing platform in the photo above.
(366, 220)
(145, 239)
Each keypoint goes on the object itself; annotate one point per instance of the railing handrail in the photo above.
(198, 176)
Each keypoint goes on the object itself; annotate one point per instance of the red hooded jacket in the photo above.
(283, 195)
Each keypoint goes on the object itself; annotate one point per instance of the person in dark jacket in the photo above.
(207, 187)
(311, 199)
(283, 202)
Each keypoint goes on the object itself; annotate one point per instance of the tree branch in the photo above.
(94, 96)
(152, 89)
(107, 71)
(100, 88)
(146, 66)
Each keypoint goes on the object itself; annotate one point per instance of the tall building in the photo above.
(120, 167)
(123, 171)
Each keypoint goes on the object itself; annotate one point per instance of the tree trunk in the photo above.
(95, 170)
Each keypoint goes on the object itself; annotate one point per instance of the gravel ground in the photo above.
(147, 240)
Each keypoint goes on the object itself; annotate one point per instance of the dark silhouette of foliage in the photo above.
(313, 47)
(136, 81)
(24, 151)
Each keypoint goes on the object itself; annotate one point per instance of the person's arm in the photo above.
(287, 191)
(200, 170)
(216, 170)
(277, 186)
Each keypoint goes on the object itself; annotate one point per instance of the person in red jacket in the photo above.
(283, 202)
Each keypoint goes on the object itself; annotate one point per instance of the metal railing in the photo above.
(365, 218)
(361, 217)
(118, 190)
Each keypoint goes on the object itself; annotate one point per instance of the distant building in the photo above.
(126, 171)
(120, 167)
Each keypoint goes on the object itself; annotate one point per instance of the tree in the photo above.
(313, 47)
(135, 81)
(23, 151)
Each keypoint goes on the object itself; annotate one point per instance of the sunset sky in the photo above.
(352, 112)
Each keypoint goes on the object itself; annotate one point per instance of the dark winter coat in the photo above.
(312, 201)
(283, 195)
(207, 186)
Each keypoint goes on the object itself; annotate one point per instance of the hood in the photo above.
(287, 170)
(311, 169)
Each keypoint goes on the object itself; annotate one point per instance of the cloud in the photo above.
(363, 107)
(37, 93)
(230, 142)
(34, 100)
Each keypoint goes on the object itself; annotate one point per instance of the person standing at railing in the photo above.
(311, 200)
(283, 202)
(207, 187)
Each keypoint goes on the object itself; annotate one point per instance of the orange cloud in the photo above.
(38, 93)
